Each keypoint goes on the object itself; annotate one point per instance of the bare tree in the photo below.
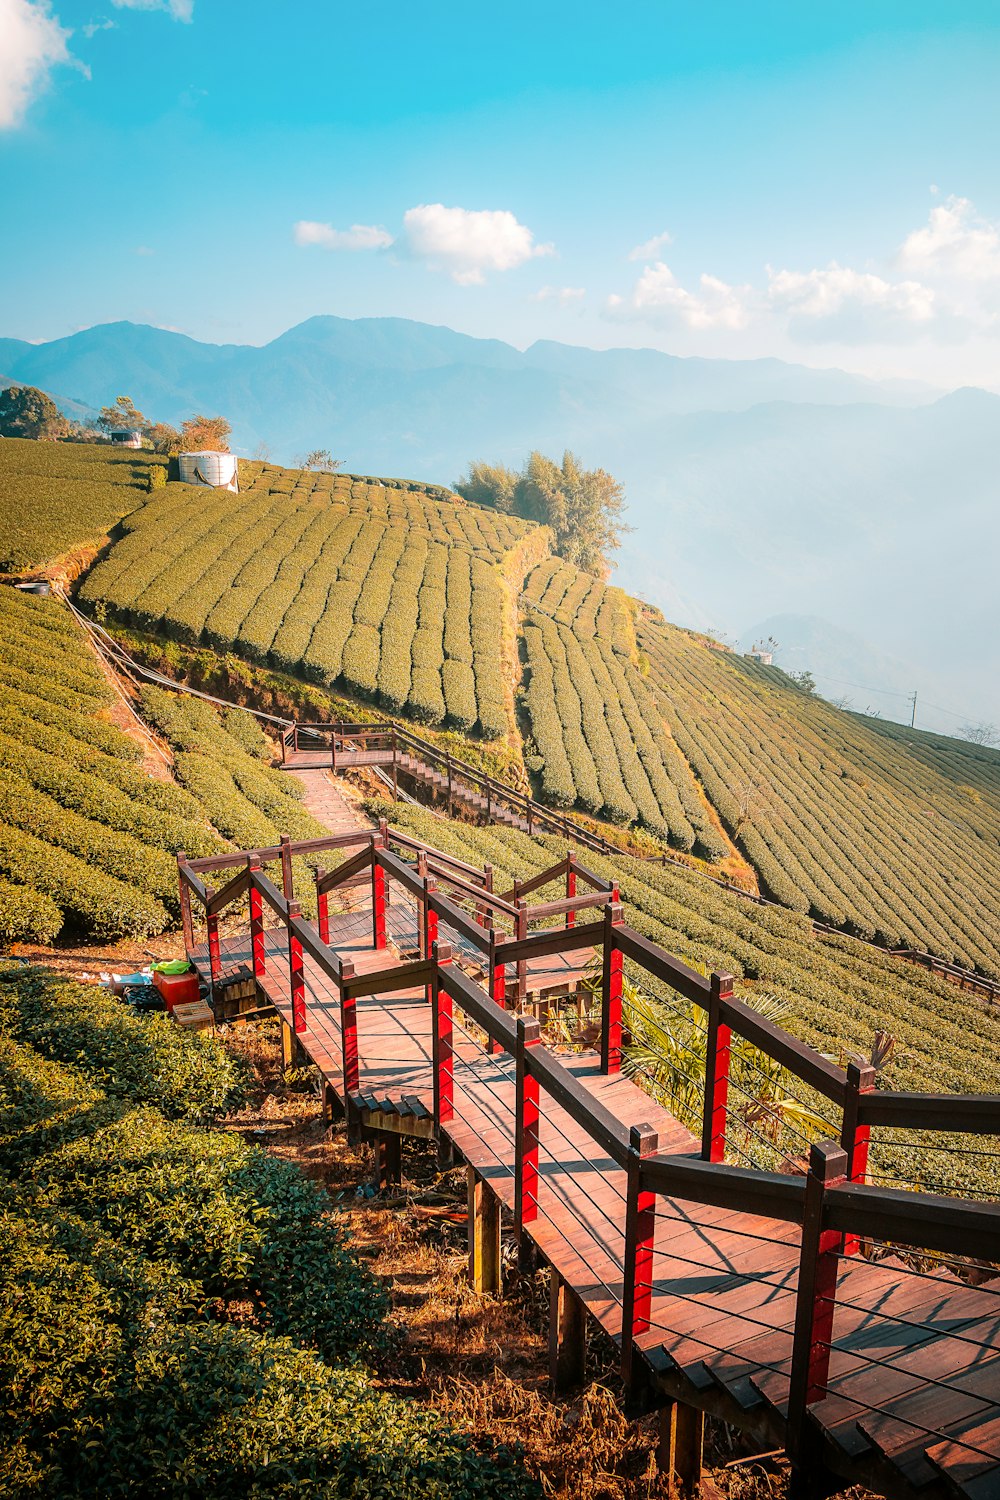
(980, 734)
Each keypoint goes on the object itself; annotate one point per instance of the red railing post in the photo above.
(184, 896)
(214, 950)
(444, 1072)
(322, 909)
(611, 994)
(815, 1300)
(378, 900)
(526, 1123)
(570, 887)
(296, 970)
(430, 932)
(287, 887)
(855, 1137)
(640, 1226)
(521, 932)
(348, 1029)
(257, 950)
(718, 1044)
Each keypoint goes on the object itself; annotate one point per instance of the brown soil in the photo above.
(480, 1361)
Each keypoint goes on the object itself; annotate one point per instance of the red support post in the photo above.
(378, 900)
(717, 1054)
(296, 971)
(348, 1030)
(526, 1126)
(184, 896)
(257, 950)
(430, 933)
(570, 887)
(611, 994)
(214, 950)
(815, 1301)
(521, 932)
(855, 1137)
(322, 909)
(287, 886)
(444, 1073)
(640, 1226)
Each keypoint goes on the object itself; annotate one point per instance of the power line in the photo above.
(891, 693)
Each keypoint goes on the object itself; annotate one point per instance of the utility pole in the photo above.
(913, 708)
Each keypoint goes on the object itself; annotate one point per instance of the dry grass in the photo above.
(479, 1361)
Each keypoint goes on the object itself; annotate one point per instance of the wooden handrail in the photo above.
(925, 1221)
(716, 1185)
(548, 941)
(976, 1114)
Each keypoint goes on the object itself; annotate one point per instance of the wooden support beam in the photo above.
(292, 1055)
(333, 1109)
(389, 1158)
(484, 1236)
(681, 1449)
(567, 1334)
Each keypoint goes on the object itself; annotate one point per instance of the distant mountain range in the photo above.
(756, 488)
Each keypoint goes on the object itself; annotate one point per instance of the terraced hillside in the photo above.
(888, 831)
(87, 838)
(600, 737)
(398, 594)
(57, 496)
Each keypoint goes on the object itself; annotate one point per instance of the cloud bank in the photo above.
(358, 237)
(32, 43)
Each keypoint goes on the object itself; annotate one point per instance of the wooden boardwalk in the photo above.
(910, 1404)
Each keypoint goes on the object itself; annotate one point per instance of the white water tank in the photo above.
(215, 469)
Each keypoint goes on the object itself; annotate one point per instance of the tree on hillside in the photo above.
(26, 412)
(122, 416)
(582, 506)
(163, 438)
(981, 733)
(321, 460)
(205, 434)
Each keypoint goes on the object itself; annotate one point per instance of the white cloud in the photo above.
(358, 237)
(93, 27)
(658, 298)
(652, 249)
(180, 10)
(32, 43)
(954, 242)
(143, 250)
(836, 302)
(469, 242)
(564, 295)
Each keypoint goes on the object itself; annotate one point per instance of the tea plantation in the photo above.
(597, 728)
(56, 496)
(399, 594)
(885, 830)
(87, 838)
(180, 1312)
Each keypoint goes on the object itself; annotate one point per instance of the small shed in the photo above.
(126, 437)
(217, 470)
(766, 658)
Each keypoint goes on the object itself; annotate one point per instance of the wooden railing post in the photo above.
(611, 994)
(378, 900)
(521, 932)
(348, 1029)
(570, 887)
(184, 897)
(333, 747)
(322, 909)
(257, 949)
(444, 1073)
(815, 1300)
(430, 932)
(640, 1225)
(296, 971)
(483, 912)
(489, 800)
(718, 1043)
(395, 767)
(286, 867)
(855, 1137)
(526, 1123)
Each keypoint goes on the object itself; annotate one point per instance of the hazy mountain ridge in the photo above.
(755, 487)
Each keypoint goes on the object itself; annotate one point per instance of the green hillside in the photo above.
(57, 496)
(87, 838)
(397, 593)
(888, 831)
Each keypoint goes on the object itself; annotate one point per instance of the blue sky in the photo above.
(739, 179)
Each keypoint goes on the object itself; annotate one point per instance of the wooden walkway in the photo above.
(913, 1392)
